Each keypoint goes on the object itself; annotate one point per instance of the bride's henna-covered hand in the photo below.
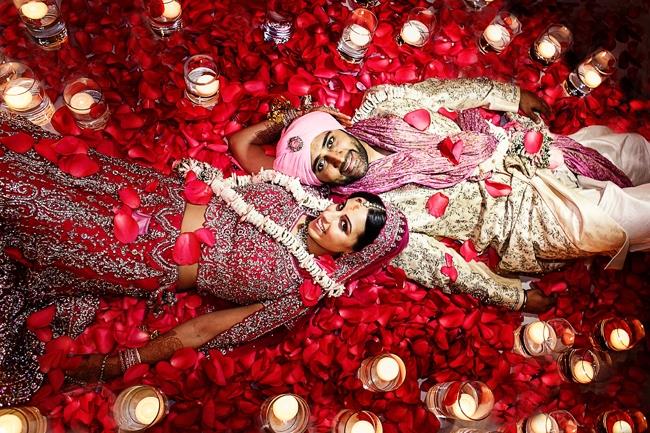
(530, 103)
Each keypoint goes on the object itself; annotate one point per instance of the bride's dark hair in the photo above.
(375, 220)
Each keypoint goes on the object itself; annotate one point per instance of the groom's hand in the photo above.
(529, 103)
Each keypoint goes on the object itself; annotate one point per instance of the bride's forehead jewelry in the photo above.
(371, 205)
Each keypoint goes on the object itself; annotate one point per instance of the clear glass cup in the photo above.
(590, 73)
(284, 413)
(201, 80)
(42, 18)
(349, 421)
(23, 94)
(139, 407)
(583, 365)
(496, 37)
(85, 100)
(621, 421)
(617, 334)
(277, 26)
(551, 44)
(558, 421)
(382, 373)
(164, 16)
(467, 401)
(541, 338)
(357, 35)
(26, 419)
(418, 28)
(477, 5)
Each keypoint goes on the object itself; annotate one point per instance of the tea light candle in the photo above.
(546, 49)
(81, 102)
(619, 339)
(542, 423)
(497, 36)
(147, 410)
(583, 372)
(538, 332)
(34, 10)
(171, 9)
(10, 423)
(621, 427)
(414, 32)
(18, 97)
(465, 407)
(362, 426)
(387, 369)
(590, 76)
(208, 85)
(359, 35)
(285, 408)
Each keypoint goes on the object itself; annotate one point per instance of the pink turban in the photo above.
(293, 151)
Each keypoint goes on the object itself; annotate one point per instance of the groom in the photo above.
(443, 178)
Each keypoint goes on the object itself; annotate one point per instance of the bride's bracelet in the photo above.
(128, 358)
(102, 368)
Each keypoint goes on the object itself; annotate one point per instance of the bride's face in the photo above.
(338, 228)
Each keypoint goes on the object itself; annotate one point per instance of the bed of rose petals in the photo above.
(440, 337)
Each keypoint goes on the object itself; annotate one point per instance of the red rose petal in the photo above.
(78, 165)
(20, 142)
(184, 358)
(41, 318)
(310, 293)
(71, 146)
(187, 249)
(437, 204)
(129, 197)
(205, 236)
(64, 123)
(419, 119)
(125, 227)
(449, 270)
(197, 192)
(497, 189)
(468, 251)
(452, 150)
(533, 141)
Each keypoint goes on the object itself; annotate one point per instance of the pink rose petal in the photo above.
(497, 189)
(533, 141)
(419, 119)
(187, 249)
(437, 204)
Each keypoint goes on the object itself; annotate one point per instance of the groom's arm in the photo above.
(247, 145)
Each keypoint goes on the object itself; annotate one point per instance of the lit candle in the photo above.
(568, 337)
(362, 426)
(542, 423)
(538, 332)
(208, 85)
(285, 408)
(10, 423)
(497, 36)
(147, 410)
(583, 372)
(359, 35)
(81, 102)
(590, 76)
(18, 97)
(414, 32)
(171, 9)
(621, 427)
(546, 49)
(387, 369)
(34, 10)
(465, 407)
(619, 339)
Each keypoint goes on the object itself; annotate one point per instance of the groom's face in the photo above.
(338, 158)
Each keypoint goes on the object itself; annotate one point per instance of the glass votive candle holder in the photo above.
(357, 35)
(477, 5)
(580, 365)
(617, 334)
(284, 413)
(349, 421)
(42, 18)
(590, 73)
(467, 401)
(621, 421)
(26, 419)
(558, 421)
(418, 27)
(85, 100)
(277, 26)
(23, 94)
(201, 80)
(139, 407)
(499, 33)
(164, 16)
(382, 373)
(540, 338)
(550, 45)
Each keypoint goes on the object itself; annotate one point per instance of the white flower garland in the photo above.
(223, 188)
